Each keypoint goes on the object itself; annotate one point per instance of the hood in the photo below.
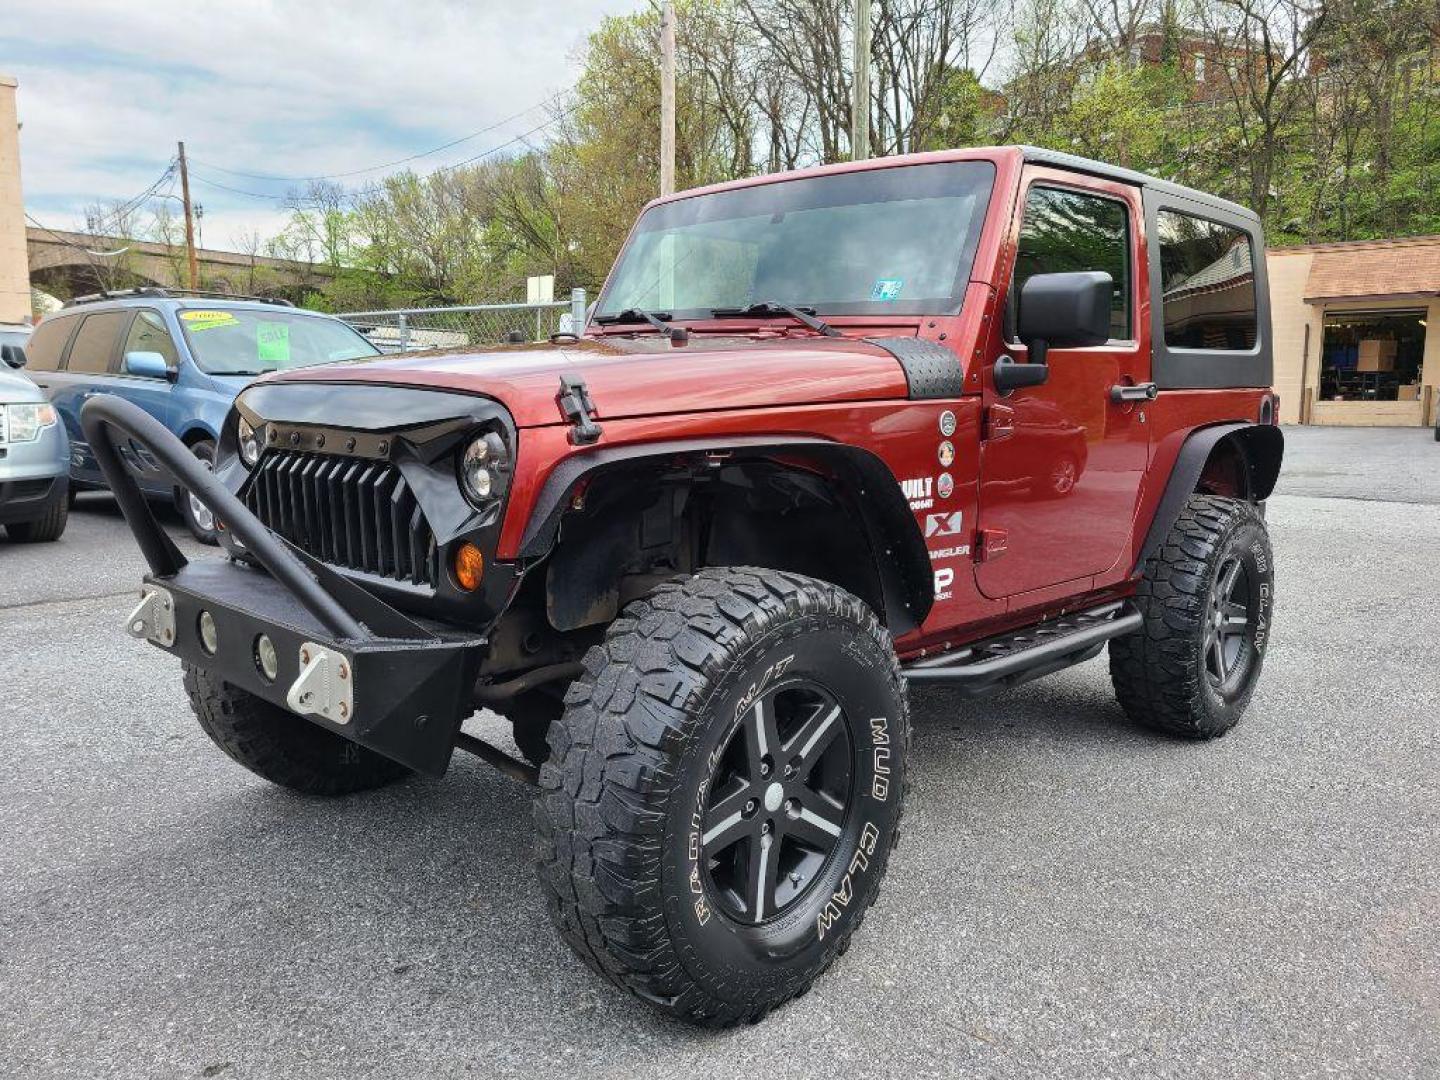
(16, 388)
(640, 376)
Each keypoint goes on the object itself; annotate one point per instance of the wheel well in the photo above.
(1226, 472)
(195, 435)
(1244, 464)
(632, 525)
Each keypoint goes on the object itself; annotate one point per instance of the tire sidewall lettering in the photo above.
(710, 938)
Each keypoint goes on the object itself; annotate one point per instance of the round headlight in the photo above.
(249, 440)
(480, 467)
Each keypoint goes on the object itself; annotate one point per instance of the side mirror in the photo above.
(147, 365)
(1065, 311)
(1061, 311)
(13, 355)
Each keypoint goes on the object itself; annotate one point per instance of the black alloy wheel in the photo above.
(1229, 625)
(778, 801)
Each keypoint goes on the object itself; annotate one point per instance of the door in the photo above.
(1062, 462)
(146, 333)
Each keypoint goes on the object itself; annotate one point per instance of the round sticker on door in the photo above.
(947, 454)
(945, 485)
(947, 423)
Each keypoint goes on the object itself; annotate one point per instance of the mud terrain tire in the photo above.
(723, 709)
(1207, 598)
(281, 747)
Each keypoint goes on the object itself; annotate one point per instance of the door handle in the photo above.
(1145, 391)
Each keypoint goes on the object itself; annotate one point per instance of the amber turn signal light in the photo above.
(469, 566)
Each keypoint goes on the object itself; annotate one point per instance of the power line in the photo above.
(354, 196)
(385, 165)
(117, 214)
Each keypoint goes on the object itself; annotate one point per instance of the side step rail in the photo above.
(1028, 653)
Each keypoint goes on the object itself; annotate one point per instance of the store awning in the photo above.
(1408, 271)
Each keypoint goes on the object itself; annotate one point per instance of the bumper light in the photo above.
(266, 659)
(209, 633)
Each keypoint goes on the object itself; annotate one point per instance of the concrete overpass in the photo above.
(67, 264)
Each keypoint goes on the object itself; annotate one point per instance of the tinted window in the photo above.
(1207, 280)
(1063, 231)
(47, 343)
(95, 343)
(148, 334)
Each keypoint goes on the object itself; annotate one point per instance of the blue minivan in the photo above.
(181, 358)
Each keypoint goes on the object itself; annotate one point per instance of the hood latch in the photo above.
(577, 407)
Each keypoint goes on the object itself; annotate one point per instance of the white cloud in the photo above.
(292, 89)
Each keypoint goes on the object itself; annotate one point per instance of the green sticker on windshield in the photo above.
(272, 343)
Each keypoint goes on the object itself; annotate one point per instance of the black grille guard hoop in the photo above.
(103, 414)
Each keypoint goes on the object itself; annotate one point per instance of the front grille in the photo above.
(352, 513)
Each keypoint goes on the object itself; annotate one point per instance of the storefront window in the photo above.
(1372, 355)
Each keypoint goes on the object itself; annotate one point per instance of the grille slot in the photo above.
(357, 514)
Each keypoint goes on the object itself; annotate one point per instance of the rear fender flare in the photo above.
(1261, 447)
(900, 559)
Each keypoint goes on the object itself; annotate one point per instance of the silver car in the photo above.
(34, 462)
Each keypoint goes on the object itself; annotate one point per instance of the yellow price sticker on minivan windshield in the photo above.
(207, 320)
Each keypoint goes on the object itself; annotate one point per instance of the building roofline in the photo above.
(1428, 240)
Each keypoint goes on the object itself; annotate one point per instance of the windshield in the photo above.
(242, 341)
(883, 241)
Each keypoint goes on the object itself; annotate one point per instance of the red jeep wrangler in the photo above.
(962, 418)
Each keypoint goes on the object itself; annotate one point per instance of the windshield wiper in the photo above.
(802, 315)
(658, 319)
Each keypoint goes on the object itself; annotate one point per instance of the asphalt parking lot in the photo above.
(1073, 897)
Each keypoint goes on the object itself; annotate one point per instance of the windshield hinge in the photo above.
(576, 407)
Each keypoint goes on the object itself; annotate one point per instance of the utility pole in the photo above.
(667, 98)
(860, 90)
(189, 221)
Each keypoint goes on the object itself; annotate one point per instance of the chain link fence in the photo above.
(404, 329)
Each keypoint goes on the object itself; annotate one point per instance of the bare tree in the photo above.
(806, 39)
(1261, 47)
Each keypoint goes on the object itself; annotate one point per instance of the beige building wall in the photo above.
(1289, 317)
(14, 261)
(1290, 314)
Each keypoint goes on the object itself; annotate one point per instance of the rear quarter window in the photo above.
(47, 344)
(1207, 281)
(94, 345)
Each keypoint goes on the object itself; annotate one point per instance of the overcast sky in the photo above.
(292, 89)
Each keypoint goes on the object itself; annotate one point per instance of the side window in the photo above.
(95, 343)
(47, 343)
(148, 334)
(1207, 283)
(1065, 230)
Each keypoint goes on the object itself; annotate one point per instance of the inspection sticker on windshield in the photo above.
(272, 343)
(207, 320)
(887, 288)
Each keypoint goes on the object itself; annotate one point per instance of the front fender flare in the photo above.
(901, 560)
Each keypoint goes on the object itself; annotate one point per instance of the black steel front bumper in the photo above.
(342, 658)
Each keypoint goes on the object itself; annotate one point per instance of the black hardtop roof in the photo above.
(1059, 160)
